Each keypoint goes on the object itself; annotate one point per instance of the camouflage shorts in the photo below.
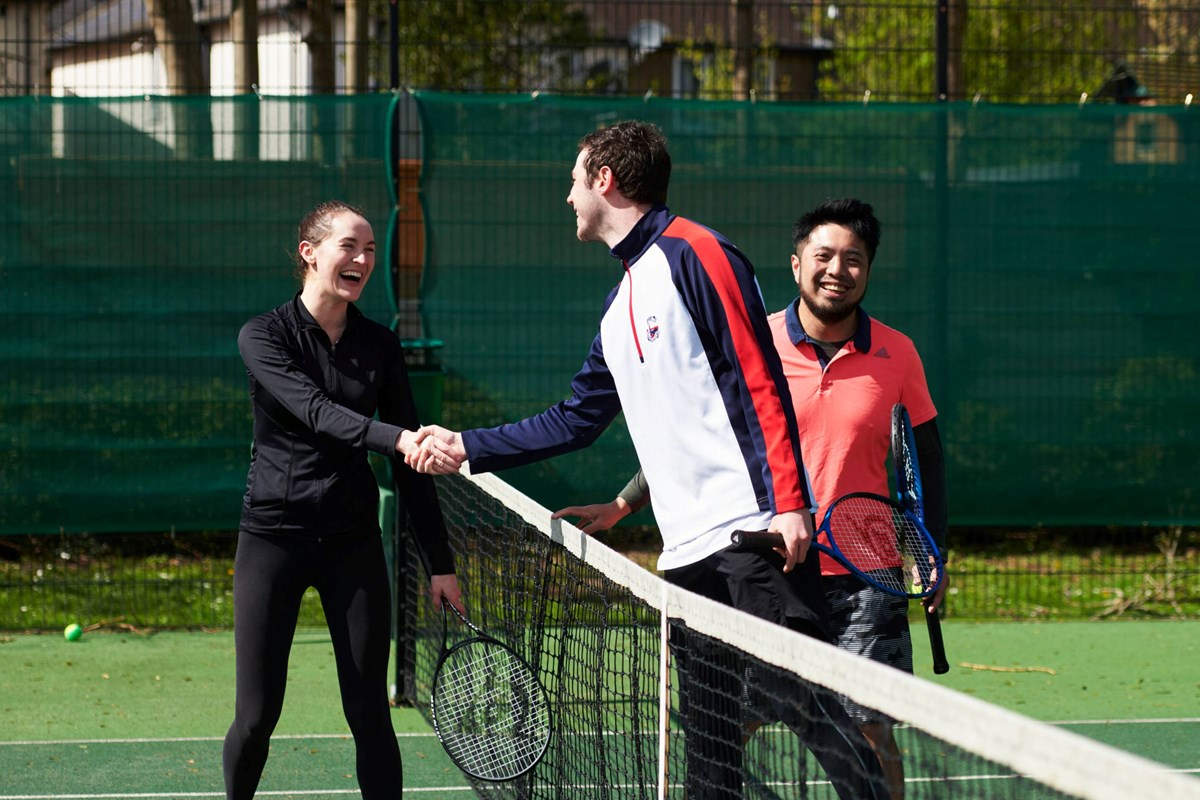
(868, 622)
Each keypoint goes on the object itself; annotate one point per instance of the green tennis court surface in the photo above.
(124, 716)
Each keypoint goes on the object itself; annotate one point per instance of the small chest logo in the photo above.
(651, 329)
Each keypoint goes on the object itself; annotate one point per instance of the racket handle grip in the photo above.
(756, 540)
(938, 647)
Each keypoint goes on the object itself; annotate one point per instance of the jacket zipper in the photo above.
(632, 323)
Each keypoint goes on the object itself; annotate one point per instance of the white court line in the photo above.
(1147, 721)
(295, 736)
(260, 793)
(221, 794)
(443, 789)
(438, 789)
(169, 740)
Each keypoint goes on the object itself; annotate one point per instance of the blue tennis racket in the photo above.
(907, 472)
(875, 538)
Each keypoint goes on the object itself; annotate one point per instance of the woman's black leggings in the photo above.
(271, 574)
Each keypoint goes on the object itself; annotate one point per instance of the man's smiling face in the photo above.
(831, 272)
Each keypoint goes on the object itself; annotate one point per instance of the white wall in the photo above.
(285, 70)
(120, 72)
(112, 70)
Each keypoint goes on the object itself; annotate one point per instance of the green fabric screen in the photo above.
(1040, 257)
(128, 270)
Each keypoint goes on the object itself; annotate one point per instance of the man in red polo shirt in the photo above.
(845, 371)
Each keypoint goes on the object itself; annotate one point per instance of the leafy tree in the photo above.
(1172, 28)
(1017, 54)
(722, 72)
(884, 48)
(1011, 51)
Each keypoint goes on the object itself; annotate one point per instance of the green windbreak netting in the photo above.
(1036, 255)
(1040, 257)
(138, 236)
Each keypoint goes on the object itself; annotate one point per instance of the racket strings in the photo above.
(489, 710)
(882, 542)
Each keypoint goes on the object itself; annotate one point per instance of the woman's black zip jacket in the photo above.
(314, 421)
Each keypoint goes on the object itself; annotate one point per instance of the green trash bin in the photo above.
(427, 376)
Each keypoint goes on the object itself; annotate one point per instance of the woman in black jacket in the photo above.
(319, 374)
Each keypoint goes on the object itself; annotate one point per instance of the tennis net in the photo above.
(648, 682)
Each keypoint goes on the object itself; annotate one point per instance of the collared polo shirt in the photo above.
(844, 404)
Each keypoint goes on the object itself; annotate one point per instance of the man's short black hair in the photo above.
(847, 212)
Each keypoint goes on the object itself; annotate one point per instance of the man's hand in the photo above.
(797, 530)
(931, 603)
(440, 451)
(596, 518)
(444, 589)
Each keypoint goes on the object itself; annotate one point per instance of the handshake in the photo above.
(432, 450)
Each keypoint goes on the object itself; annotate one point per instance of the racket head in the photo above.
(907, 471)
(489, 710)
(883, 543)
(904, 462)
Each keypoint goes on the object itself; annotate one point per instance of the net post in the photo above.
(664, 693)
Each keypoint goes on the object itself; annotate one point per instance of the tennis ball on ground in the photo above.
(72, 632)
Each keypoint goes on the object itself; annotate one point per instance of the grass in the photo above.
(131, 582)
(1047, 574)
(177, 581)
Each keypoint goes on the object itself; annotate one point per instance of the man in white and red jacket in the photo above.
(684, 350)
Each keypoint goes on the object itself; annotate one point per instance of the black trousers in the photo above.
(271, 574)
(721, 691)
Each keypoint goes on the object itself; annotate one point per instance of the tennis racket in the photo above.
(874, 537)
(907, 471)
(490, 711)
